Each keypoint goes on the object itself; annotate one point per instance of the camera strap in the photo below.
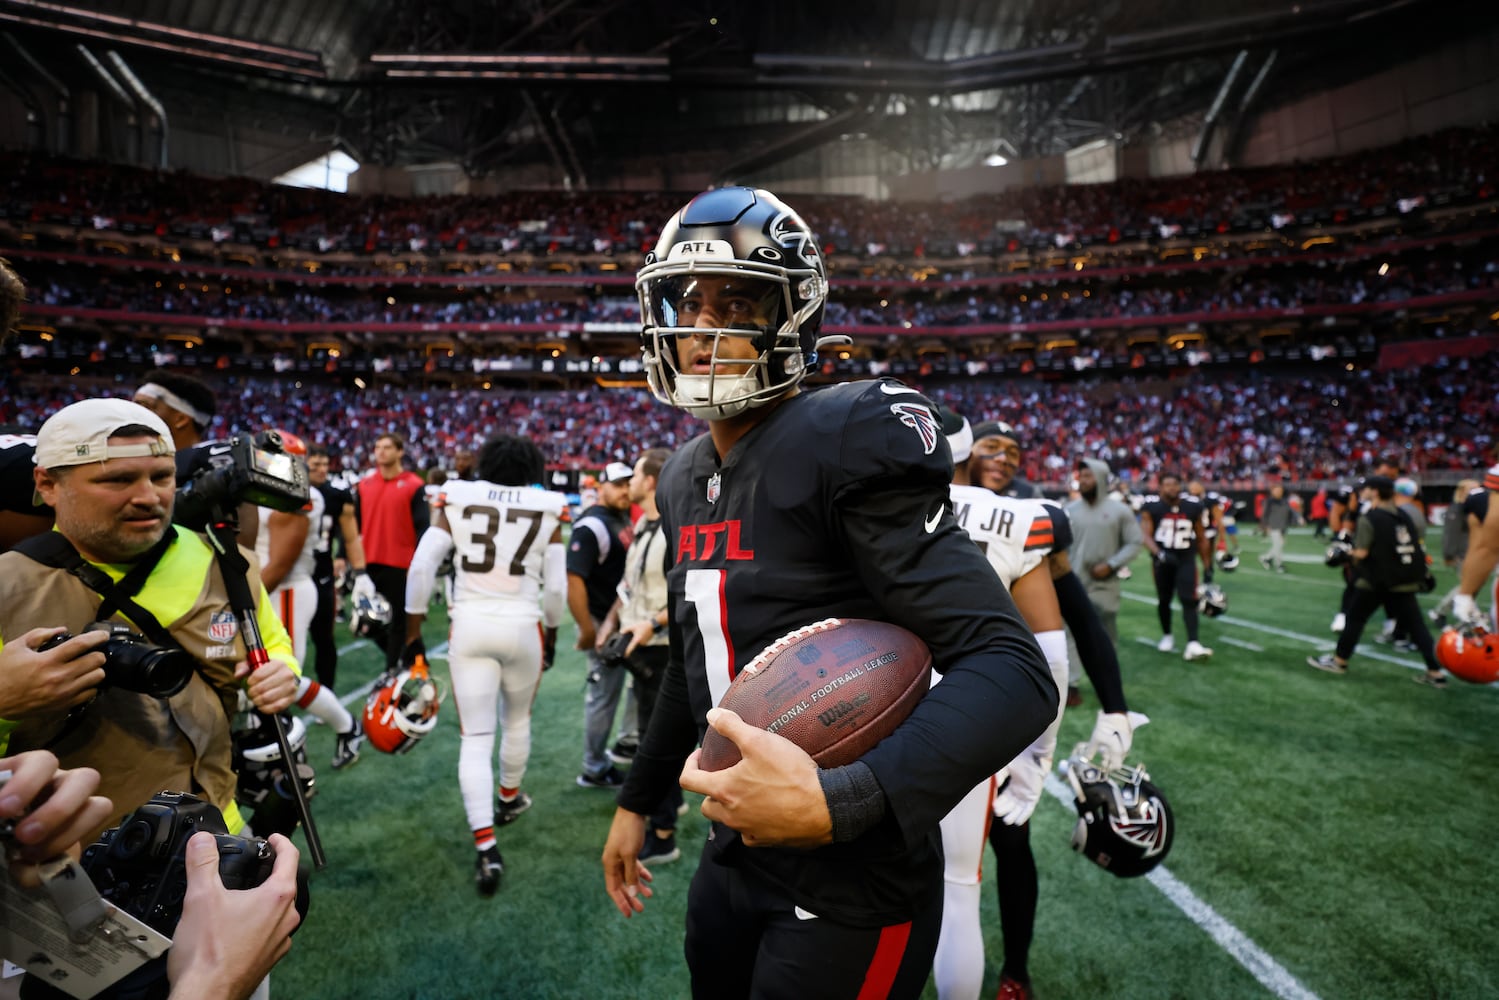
(52, 549)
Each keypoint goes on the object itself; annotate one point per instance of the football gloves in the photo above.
(363, 587)
(414, 649)
(1021, 787)
(1113, 734)
(548, 648)
(1466, 611)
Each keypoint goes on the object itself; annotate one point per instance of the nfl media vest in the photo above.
(139, 745)
(1396, 559)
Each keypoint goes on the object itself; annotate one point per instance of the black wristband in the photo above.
(657, 627)
(856, 802)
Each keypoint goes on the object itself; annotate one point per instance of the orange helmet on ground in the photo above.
(1470, 653)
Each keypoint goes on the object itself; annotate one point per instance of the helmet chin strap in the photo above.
(694, 393)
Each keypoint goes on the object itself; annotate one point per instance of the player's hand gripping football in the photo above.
(772, 796)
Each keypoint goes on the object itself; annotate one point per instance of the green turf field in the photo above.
(1332, 831)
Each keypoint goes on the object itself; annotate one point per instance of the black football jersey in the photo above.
(836, 506)
(1175, 524)
(334, 502)
(17, 459)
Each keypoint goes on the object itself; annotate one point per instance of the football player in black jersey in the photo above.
(338, 512)
(1172, 528)
(795, 507)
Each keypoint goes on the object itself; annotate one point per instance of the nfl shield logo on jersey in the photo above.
(715, 486)
(222, 627)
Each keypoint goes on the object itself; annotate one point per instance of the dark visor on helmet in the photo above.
(730, 302)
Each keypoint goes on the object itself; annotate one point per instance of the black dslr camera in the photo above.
(256, 470)
(131, 662)
(140, 867)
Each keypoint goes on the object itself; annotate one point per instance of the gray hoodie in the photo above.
(1103, 530)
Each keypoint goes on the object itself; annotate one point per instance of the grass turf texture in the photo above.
(1342, 823)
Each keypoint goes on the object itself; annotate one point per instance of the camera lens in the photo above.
(136, 666)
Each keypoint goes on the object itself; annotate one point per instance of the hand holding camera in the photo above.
(133, 663)
(202, 960)
(46, 669)
(45, 809)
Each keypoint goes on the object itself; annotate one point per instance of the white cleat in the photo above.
(1338, 621)
(1167, 644)
(1196, 651)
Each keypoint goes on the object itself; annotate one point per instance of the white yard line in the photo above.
(1271, 974)
(1241, 644)
(1317, 641)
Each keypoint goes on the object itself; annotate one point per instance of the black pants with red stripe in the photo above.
(746, 939)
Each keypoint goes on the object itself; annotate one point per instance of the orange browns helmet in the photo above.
(293, 444)
(1470, 653)
(403, 709)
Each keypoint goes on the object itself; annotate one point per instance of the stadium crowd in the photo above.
(1361, 282)
(1450, 167)
(1239, 430)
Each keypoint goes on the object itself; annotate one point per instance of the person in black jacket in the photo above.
(1391, 570)
(796, 507)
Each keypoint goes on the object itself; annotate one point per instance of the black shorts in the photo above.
(745, 938)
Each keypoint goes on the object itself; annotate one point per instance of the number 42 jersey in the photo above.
(500, 536)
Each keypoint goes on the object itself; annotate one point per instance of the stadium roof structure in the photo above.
(585, 87)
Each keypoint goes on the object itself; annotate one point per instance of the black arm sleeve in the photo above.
(996, 695)
(1100, 659)
(421, 513)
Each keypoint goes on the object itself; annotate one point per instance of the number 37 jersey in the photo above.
(500, 535)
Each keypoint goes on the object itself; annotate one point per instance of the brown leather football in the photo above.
(834, 688)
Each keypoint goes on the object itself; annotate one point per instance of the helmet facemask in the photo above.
(741, 301)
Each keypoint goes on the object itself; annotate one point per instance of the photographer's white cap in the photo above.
(618, 472)
(79, 434)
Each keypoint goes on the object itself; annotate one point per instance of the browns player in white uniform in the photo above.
(1016, 537)
(504, 533)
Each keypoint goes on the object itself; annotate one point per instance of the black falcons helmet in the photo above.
(735, 262)
(1124, 824)
(1211, 600)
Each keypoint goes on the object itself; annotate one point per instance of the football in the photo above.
(834, 688)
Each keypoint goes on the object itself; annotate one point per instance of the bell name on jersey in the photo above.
(500, 535)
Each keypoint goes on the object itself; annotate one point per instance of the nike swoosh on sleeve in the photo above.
(895, 390)
(931, 523)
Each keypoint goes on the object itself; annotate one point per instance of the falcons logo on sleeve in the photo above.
(920, 420)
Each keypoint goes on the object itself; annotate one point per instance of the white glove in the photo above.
(1020, 789)
(363, 587)
(1113, 734)
(1465, 610)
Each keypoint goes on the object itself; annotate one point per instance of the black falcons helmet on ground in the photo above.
(1124, 824)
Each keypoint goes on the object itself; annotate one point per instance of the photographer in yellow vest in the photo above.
(147, 702)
